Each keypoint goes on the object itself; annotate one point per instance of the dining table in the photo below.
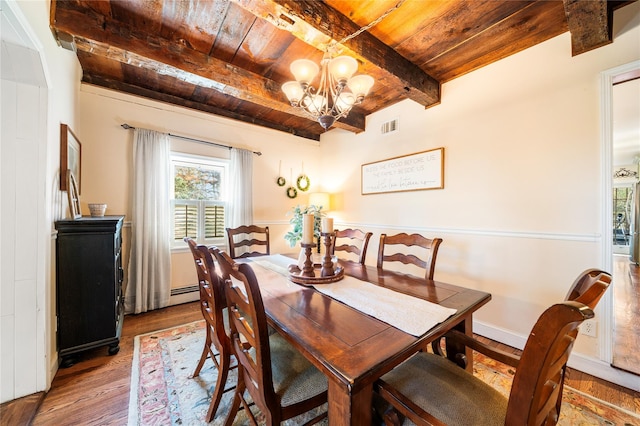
(351, 338)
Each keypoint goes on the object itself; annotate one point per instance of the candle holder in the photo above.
(327, 264)
(307, 269)
(320, 274)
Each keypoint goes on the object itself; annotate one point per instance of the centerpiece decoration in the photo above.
(311, 228)
(306, 272)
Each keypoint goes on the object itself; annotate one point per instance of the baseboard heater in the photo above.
(184, 290)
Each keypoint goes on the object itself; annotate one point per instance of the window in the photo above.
(198, 198)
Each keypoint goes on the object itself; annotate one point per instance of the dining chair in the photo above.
(588, 288)
(585, 292)
(213, 307)
(431, 246)
(249, 236)
(280, 381)
(357, 243)
(429, 389)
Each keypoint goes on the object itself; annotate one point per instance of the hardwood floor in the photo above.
(95, 391)
(626, 341)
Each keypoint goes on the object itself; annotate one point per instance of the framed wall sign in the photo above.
(70, 157)
(413, 172)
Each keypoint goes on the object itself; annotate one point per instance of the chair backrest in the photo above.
(201, 269)
(226, 265)
(253, 236)
(543, 371)
(250, 336)
(357, 244)
(210, 286)
(431, 246)
(536, 392)
(589, 287)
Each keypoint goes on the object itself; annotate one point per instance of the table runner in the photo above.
(410, 314)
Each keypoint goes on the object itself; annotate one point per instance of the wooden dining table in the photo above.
(354, 349)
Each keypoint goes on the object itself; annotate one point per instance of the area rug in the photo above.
(163, 392)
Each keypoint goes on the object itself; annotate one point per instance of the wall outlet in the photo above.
(589, 328)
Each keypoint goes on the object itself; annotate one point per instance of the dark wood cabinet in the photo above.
(89, 274)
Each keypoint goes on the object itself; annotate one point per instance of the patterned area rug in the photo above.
(164, 393)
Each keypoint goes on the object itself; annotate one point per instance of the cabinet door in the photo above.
(86, 289)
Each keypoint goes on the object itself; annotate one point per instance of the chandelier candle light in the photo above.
(337, 92)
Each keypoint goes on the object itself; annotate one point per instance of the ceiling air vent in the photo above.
(389, 126)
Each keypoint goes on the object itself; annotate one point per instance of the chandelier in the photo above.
(338, 91)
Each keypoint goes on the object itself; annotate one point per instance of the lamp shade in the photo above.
(315, 103)
(319, 199)
(343, 67)
(345, 101)
(304, 70)
(360, 85)
(293, 91)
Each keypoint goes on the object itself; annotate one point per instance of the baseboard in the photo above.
(53, 369)
(577, 361)
(604, 371)
(184, 295)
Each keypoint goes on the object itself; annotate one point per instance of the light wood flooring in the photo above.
(626, 341)
(95, 391)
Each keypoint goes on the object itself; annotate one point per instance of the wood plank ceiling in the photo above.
(230, 57)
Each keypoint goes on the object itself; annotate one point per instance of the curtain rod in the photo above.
(127, 127)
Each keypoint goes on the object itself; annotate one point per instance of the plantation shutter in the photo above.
(185, 219)
(213, 219)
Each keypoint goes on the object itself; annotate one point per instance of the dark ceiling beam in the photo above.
(176, 100)
(590, 24)
(317, 24)
(114, 40)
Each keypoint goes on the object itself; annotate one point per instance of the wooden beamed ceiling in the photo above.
(230, 57)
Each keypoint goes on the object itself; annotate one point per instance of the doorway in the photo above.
(625, 150)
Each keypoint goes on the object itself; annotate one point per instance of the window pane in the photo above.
(185, 217)
(198, 198)
(213, 221)
(197, 182)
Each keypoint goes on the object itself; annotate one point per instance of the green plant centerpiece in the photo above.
(295, 235)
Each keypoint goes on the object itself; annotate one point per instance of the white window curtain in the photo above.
(149, 283)
(240, 188)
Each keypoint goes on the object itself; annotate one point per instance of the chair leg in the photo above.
(223, 372)
(235, 406)
(203, 358)
(207, 351)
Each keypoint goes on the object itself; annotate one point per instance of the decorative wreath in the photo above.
(303, 182)
(281, 181)
(292, 192)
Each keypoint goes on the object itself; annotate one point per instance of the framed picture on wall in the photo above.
(70, 157)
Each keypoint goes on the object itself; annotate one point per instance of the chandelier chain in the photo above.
(368, 26)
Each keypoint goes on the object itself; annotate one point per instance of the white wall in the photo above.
(521, 211)
(39, 82)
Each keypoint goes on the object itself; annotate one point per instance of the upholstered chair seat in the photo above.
(448, 392)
